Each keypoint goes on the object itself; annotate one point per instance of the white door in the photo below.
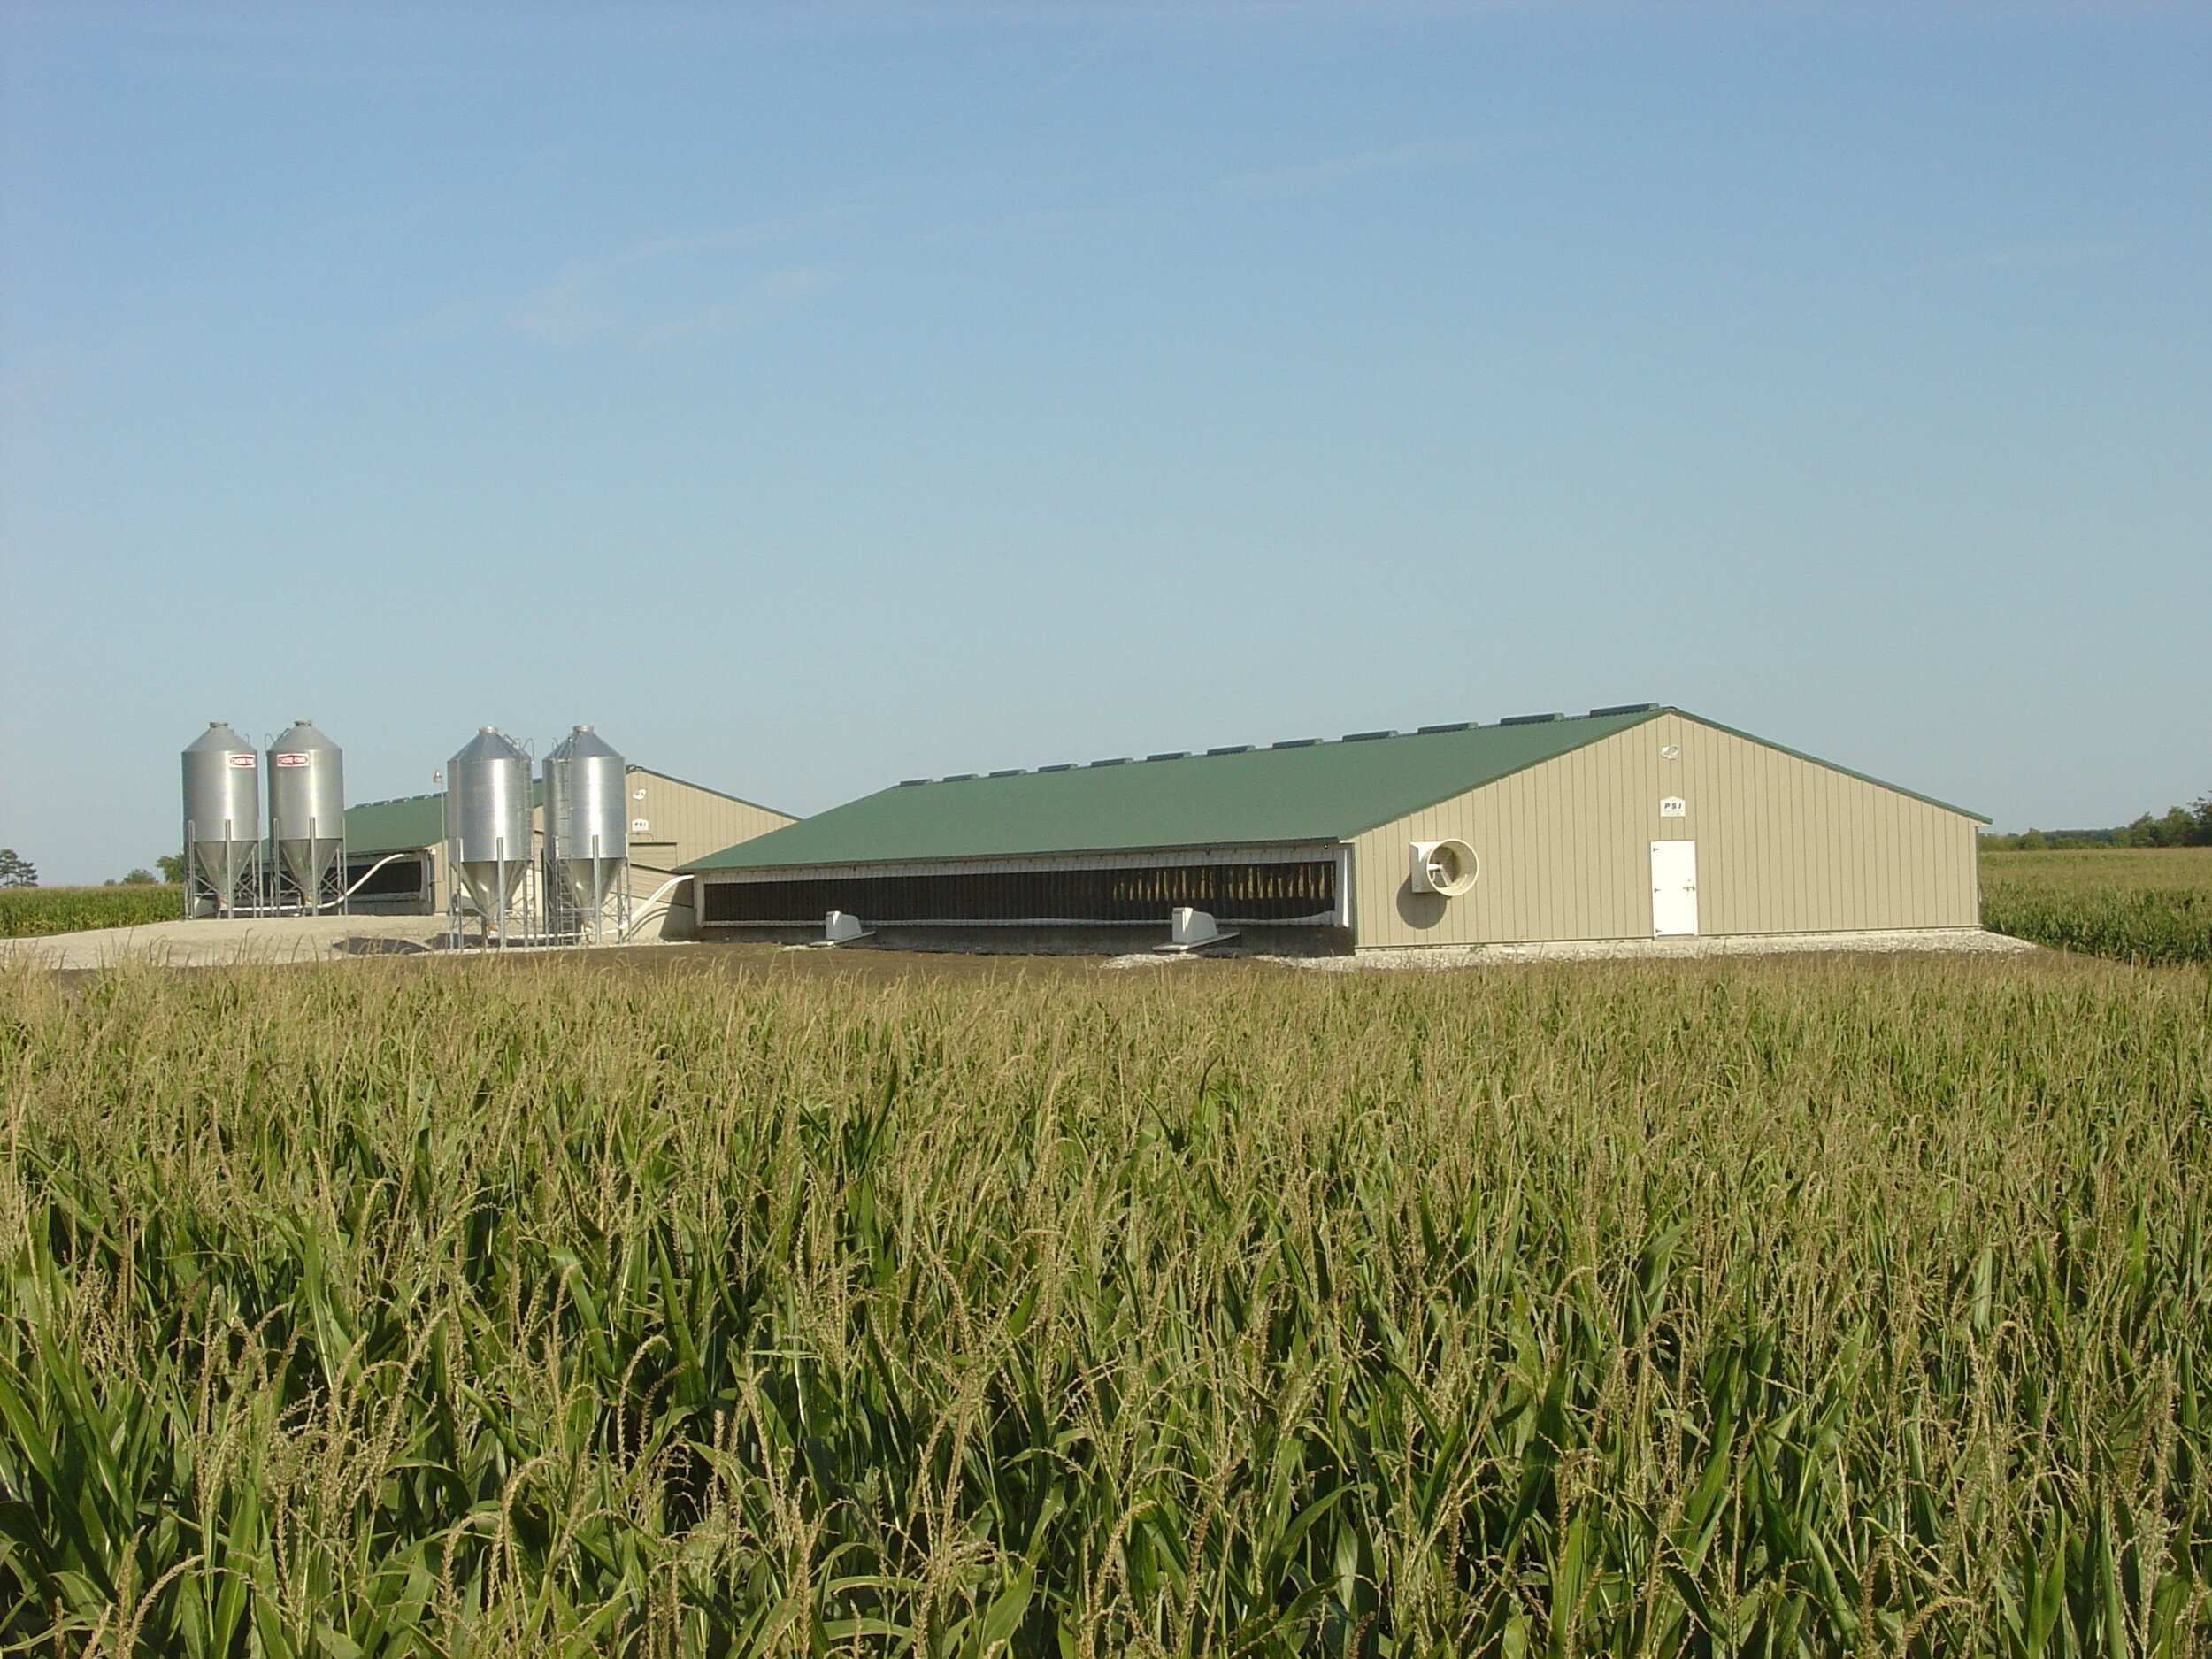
(1674, 889)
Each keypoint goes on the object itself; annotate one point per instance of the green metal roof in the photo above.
(411, 821)
(1304, 792)
(391, 826)
(1308, 792)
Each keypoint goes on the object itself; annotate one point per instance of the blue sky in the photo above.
(815, 397)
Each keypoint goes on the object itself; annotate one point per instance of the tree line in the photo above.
(2188, 825)
(19, 871)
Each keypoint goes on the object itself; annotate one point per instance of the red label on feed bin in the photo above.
(244, 761)
(291, 760)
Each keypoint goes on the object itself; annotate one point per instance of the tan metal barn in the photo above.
(1633, 822)
(672, 822)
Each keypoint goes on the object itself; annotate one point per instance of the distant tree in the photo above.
(141, 879)
(2188, 825)
(172, 868)
(17, 870)
(2179, 826)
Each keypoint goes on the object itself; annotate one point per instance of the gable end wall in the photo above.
(685, 822)
(1784, 846)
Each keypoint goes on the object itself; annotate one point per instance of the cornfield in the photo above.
(25, 913)
(2138, 905)
(758, 1305)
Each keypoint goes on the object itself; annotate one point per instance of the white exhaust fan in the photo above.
(1447, 868)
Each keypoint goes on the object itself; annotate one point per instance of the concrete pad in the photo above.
(1887, 942)
(228, 941)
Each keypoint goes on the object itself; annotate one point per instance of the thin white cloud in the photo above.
(677, 289)
(569, 311)
(669, 289)
(764, 295)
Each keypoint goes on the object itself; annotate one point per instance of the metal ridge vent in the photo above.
(1173, 753)
(1119, 760)
(908, 783)
(1232, 749)
(1296, 743)
(1011, 771)
(1450, 725)
(960, 777)
(1367, 737)
(1065, 765)
(1529, 719)
(1625, 708)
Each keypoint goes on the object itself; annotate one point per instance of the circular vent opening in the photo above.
(1445, 867)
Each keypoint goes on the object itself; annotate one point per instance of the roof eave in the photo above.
(703, 867)
(1848, 772)
(1643, 718)
(719, 794)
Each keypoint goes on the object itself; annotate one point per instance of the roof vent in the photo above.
(1455, 726)
(1529, 719)
(1173, 753)
(1011, 771)
(1232, 749)
(1065, 765)
(960, 777)
(1119, 760)
(1366, 737)
(1627, 708)
(1295, 743)
(908, 783)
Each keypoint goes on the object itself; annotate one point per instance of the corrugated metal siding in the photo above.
(687, 823)
(1784, 845)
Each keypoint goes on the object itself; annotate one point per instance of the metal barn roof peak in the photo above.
(1304, 792)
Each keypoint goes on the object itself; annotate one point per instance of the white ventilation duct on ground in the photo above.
(1189, 929)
